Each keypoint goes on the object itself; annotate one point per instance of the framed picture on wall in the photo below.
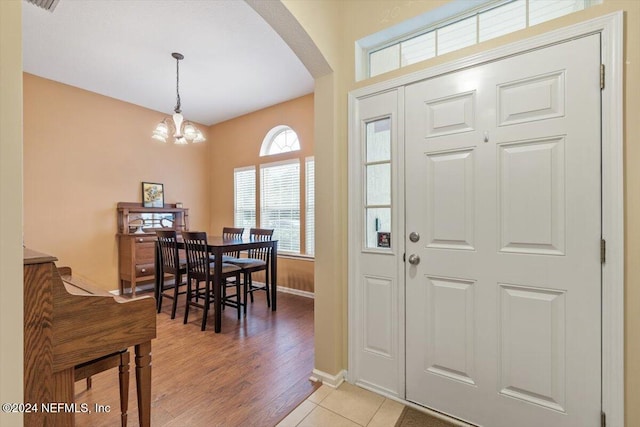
(152, 195)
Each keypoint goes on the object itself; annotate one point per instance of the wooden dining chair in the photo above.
(200, 270)
(170, 264)
(257, 260)
(229, 257)
(231, 233)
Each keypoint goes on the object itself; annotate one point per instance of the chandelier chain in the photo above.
(177, 109)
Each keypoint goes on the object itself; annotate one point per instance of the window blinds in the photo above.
(244, 198)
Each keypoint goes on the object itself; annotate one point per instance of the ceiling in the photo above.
(235, 63)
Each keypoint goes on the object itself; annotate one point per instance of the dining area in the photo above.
(254, 372)
(212, 272)
(117, 252)
(244, 345)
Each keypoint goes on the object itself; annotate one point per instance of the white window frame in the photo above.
(270, 138)
(309, 206)
(430, 22)
(366, 246)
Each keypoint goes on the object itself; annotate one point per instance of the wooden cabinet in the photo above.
(136, 240)
(136, 253)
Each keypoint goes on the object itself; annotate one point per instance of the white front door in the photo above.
(503, 314)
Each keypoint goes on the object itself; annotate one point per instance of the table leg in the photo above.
(218, 283)
(143, 382)
(123, 380)
(274, 274)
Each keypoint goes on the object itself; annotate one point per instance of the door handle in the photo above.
(414, 259)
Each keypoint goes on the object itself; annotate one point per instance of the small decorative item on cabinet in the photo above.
(136, 240)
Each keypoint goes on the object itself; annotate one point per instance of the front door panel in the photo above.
(503, 181)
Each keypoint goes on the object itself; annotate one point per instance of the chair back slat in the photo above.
(232, 233)
(197, 254)
(168, 250)
(260, 234)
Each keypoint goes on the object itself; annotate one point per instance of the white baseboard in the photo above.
(298, 292)
(328, 379)
(292, 291)
(149, 287)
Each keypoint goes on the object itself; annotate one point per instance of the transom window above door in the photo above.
(453, 26)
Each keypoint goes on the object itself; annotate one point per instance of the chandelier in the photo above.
(183, 131)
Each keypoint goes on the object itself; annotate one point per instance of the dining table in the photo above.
(217, 246)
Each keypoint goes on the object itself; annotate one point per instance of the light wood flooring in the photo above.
(251, 374)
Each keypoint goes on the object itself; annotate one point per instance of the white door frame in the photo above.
(611, 29)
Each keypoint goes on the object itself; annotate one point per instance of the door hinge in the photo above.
(404, 257)
(603, 419)
(601, 76)
(603, 251)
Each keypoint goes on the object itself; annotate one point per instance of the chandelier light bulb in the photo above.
(189, 131)
(161, 133)
(199, 137)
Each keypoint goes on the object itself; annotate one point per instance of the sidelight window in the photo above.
(378, 183)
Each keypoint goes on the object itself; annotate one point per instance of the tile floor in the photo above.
(346, 406)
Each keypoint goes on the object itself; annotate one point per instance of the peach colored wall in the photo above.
(236, 143)
(83, 153)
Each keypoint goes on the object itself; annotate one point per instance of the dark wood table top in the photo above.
(246, 242)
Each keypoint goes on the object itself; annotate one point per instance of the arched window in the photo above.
(280, 139)
(286, 193)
